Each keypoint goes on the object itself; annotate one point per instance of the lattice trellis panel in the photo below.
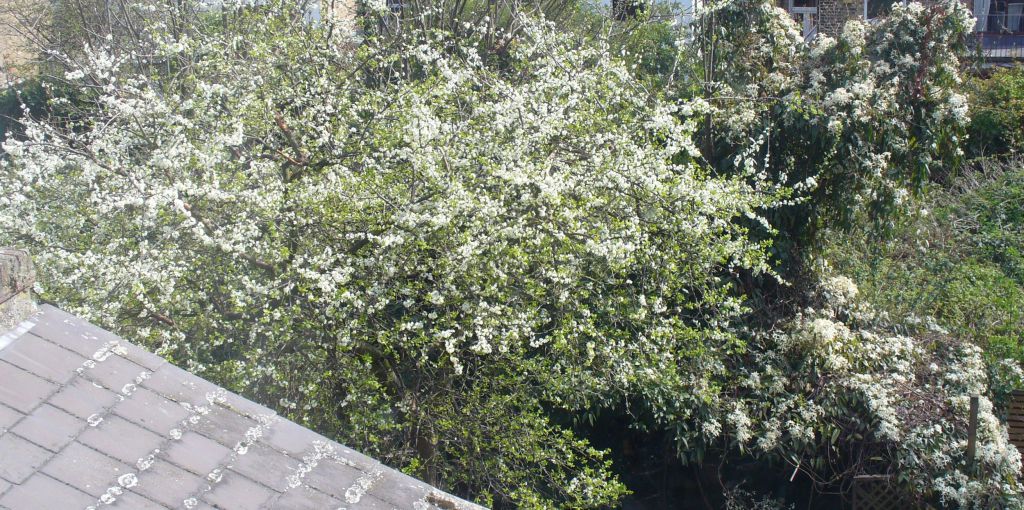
(877, 492)
(1015, 420)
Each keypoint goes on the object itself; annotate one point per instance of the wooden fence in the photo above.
(1015, 420)
(877, 492)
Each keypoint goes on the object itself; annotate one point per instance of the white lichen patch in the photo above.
(363, 484)
(128, 480)
(322, 451)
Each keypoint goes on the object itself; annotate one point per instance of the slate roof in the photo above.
(89, 420)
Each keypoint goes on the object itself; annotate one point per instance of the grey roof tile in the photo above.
(8, 417)
(359, 460)
(235, 492)
(152, 411)
(121, 439)
(43, 358)
(368, 502)
(21, 390)
(197, 454)
(49, 427)
(305, 498)
(19, 458)
(84, 398)
(120, 418)
(44, 493)
(115, 372)
(224, 426)
(168, 484)
(333, 477)
(297, 441)
(69, 331)
(87, 339)
(179, 385)
(246, 407)
(86, 469)
(132, 501)
(141, 357)
(265, 465)
(291, 438)
(398, 489)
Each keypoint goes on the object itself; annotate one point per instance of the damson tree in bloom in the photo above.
(394, 242)
(432, 253)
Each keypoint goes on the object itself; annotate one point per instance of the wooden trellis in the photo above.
(1015, 420)
(878, 492)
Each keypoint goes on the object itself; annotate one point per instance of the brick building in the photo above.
(829, 16)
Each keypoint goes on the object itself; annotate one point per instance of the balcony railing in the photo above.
(1001, 35)
(1010, 21)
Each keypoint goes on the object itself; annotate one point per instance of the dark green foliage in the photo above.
(39, 97)
(652, 47)
(29, 92)
(997, 113)
(960, 264)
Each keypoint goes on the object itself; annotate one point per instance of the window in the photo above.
(805, 13)
(999, 16)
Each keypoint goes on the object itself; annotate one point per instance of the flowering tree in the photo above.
(398, 245)
(427, 253)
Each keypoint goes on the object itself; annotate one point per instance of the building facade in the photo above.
(999, 30)
(829, 16)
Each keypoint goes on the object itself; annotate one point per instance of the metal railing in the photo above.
(1001, 34)
(1009, 22)
(996, 48)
